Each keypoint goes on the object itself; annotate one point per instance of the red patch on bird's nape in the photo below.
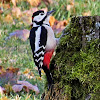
(47, 58)
(32, 18)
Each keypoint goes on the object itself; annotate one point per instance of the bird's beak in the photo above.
(50, 12)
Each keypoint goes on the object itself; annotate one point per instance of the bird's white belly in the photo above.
(51, 40)
(51, 44)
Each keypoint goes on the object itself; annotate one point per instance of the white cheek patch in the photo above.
(36, 18)
(39, 18)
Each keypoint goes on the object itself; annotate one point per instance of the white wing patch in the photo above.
(37, 38)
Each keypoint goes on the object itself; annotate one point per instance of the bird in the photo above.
(42, 42)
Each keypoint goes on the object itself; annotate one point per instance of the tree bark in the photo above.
(76, 65)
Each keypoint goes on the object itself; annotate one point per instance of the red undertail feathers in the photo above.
(47, 58)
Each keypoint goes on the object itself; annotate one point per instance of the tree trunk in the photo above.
(76, 65)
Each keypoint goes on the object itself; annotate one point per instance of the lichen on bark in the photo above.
(76, 65)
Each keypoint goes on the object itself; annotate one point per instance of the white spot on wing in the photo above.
(37, 55)
(39, 48)
(41, 58)
(41, 63)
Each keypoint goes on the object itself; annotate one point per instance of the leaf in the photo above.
(59, 25)
(3, 1)
(39, 78)
(8, 76)
(21, 34)
(5, 6)
(2, 70)
(16, 12)
(34, 3)
(12, 70)
(8, 79)
(14, 2)
(69, 7)
(52, 20)
(2, 90)
(42, 71)
(86, 13)
(72, 2)
(26, 71)
(17, 87)
(47, 2)
(4, 98)
(9, 18)
(29, 86)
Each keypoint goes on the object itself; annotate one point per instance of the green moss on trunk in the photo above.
(76, 65)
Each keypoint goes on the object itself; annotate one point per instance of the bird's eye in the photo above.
(42, 13)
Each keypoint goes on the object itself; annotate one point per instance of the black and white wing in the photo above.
(38, 40)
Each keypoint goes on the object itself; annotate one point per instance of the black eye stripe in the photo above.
(37, 13)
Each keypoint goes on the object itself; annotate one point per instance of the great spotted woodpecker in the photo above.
(42, 41)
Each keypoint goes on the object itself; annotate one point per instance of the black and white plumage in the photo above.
(38, 43)
(42, 40)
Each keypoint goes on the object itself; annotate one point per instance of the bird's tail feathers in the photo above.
(48, 75)
(39, 70)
